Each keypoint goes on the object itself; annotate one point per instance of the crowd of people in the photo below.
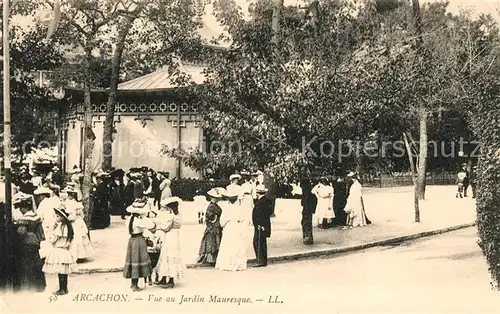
(53, 237)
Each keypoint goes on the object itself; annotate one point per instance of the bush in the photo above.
(486, 127)
(186, 188)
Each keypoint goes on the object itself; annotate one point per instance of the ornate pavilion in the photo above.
(149, 114)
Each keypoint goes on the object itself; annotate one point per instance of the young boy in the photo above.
(461, 176)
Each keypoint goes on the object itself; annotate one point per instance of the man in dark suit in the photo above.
(261, 218)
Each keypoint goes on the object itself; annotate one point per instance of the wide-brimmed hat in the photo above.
(140, 202)
(169, 201)
(351, 174)
(20, 197)
(230, 193)
(138, 207)
(101, 174)
(42, 190)
(117, 173)
(216, 192)
(76, 170)
(261, 189)
(134, 169)
(244, 173)
(234, 176)
(61, 210)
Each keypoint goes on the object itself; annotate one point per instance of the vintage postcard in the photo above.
(250, 156)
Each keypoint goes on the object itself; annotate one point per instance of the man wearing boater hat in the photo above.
(261, 217)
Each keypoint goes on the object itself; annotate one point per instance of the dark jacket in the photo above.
(138, 188)
(261, 215)
(308, 202)
(128, 198)
(26, 187)
(117, 197)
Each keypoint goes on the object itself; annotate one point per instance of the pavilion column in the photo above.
(179, 139)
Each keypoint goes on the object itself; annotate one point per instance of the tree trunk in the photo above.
(89, 140)
(422, 160)
(275, 24)
(414, 179)
(107, 138)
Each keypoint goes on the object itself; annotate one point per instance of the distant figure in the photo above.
(355, 207)
(324, 210)
(340, 191)
(466, 181)
(473, 181)
(461, 178)
(309, 203)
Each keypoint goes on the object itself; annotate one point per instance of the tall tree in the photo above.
(150, 35)
(88, 23)
(124, 25)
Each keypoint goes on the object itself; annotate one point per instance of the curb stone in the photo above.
(313, 254)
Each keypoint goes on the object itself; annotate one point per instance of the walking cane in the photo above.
(258, 250)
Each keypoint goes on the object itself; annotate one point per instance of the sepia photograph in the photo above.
(250, 156)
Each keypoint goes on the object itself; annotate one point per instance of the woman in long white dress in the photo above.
(324, 208)
(232, 252)
(354, 208)
(247, 199)
(171, 268)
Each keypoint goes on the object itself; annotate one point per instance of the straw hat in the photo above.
(76, 170)
(20, 197)
(42, 190)
(169, 201)
(244, 173)
(234, 176)
(351, 174)
(101, 174)
(138, 207)
(261, 189)
(216, 192)
(61, 210)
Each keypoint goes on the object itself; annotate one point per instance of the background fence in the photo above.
(387, 181)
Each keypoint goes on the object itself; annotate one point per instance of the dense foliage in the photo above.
(32, 106)
(345, 83)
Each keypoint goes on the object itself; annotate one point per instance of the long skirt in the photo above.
(170, 264)
(232, 252)
(137, 262)
(31, 276)
(247, 208)
(81, 248)
(210, 243)
(59, 261)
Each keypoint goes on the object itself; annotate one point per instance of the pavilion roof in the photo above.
(162, 79)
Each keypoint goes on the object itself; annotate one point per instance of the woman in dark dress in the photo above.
(339, 202)
(100, 214)
(308, 202)
(28, 236)
(210, 242)
(117, 193)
